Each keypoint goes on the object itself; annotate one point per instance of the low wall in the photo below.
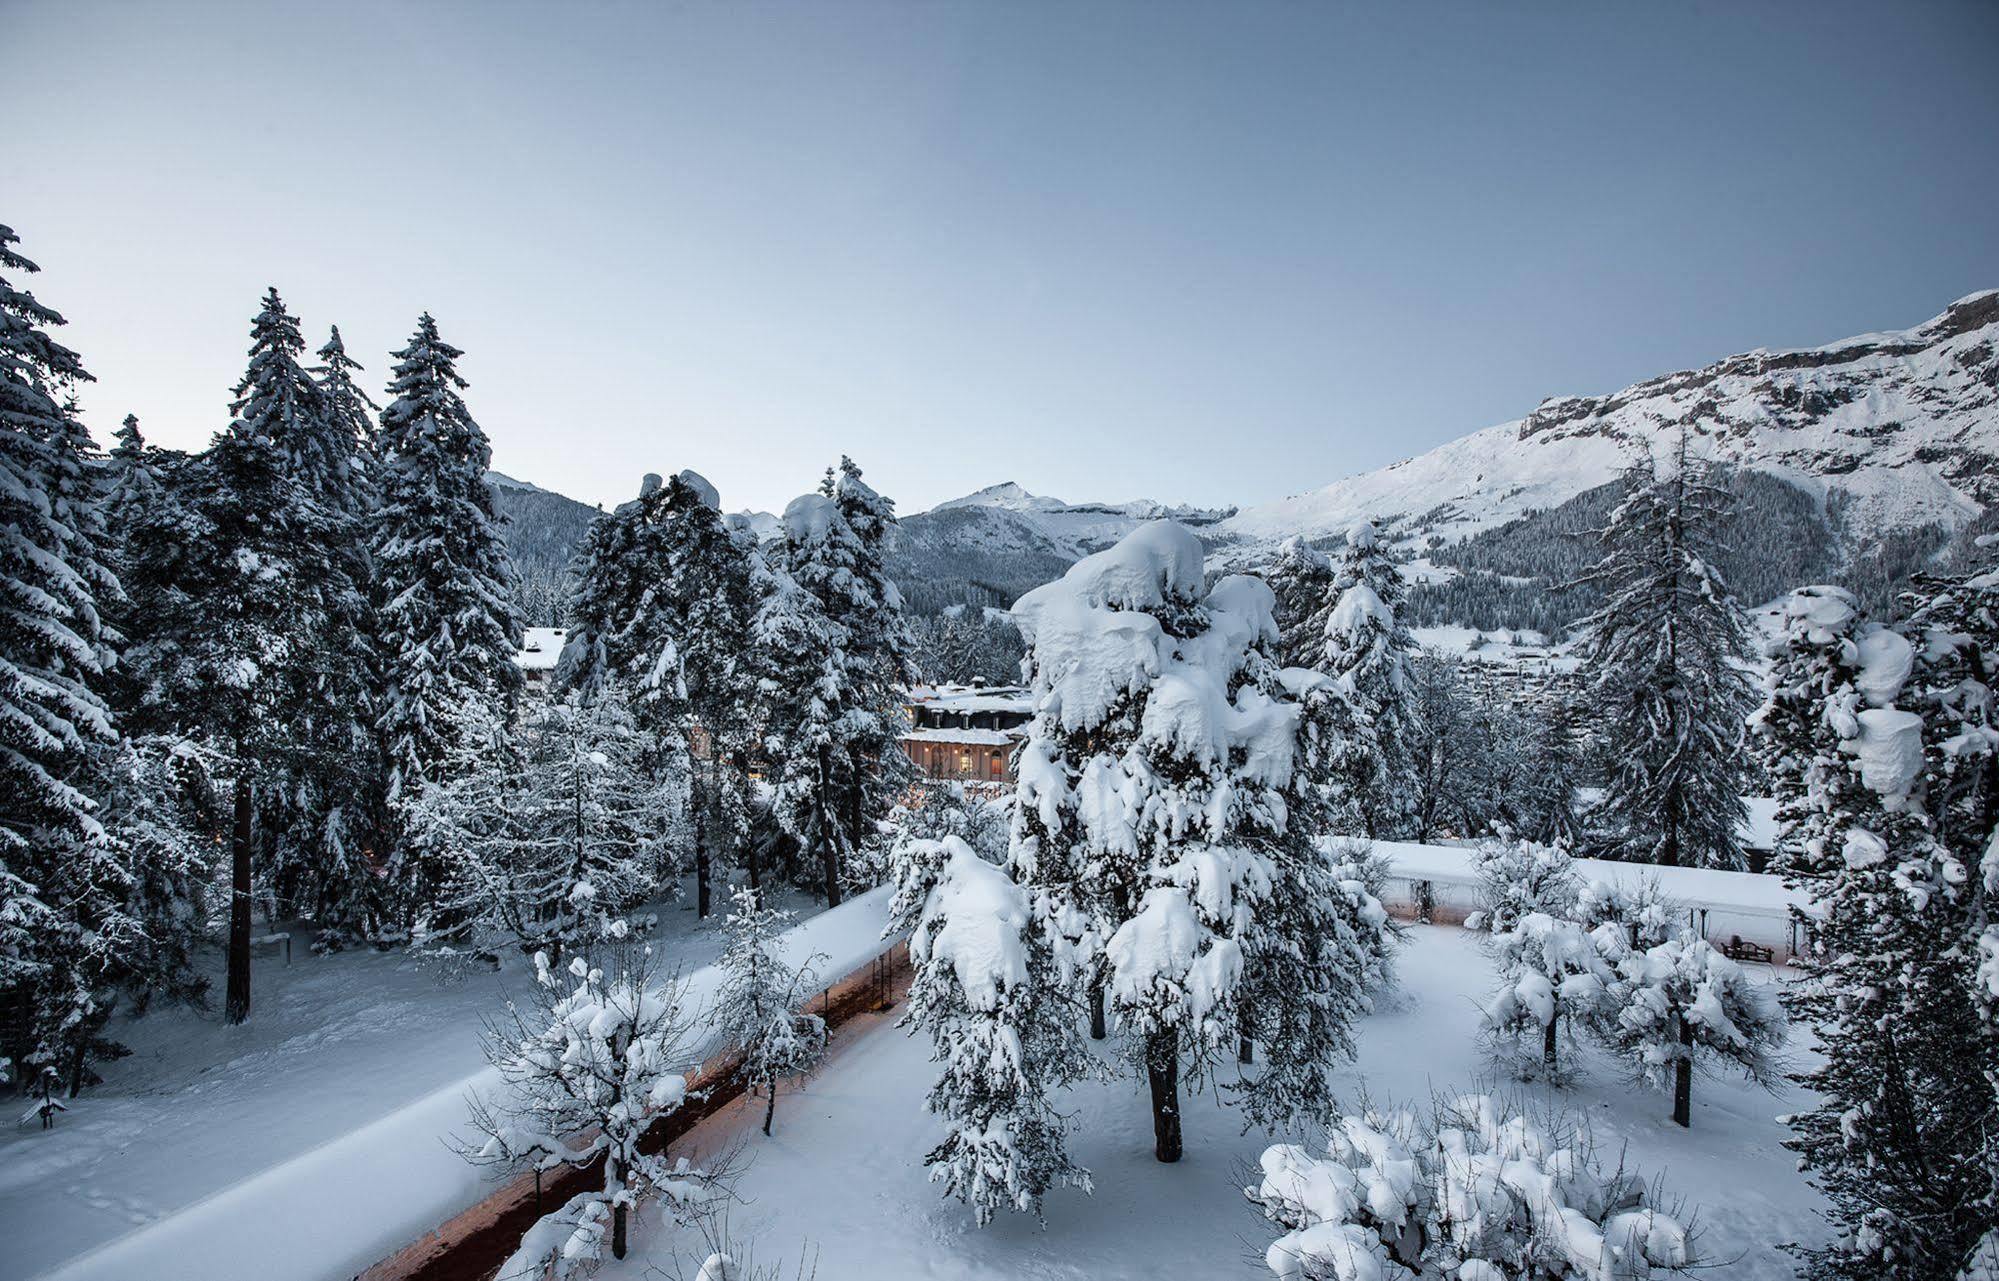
(1719, 905)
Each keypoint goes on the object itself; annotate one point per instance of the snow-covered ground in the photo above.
(842, 1179)
(333, 1044)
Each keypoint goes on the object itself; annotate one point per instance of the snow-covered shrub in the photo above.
(757, 1008)
(1645, 914)
(598, 1058)
(1477, 1191)
(1679, 1003)
(992, 986)
(1362, 875)
(1516, 878)
(1551, 971)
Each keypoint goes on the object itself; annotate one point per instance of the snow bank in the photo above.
(336, 1209)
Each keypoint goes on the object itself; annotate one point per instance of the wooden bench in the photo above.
(1740, 949)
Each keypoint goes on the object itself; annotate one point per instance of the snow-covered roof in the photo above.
(973, 698)
(541, 648)
(969, 737)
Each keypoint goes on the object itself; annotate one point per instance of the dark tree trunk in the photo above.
(701, 892)
(770, 1104)
(1097, 1029)
(829, 830)
(1162, 1072)
(1245, 1051)
(619, 1214)
(237, 1006)
(1683, 1078)
(1548, 1049)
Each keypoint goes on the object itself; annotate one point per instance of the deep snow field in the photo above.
(332, 1043)
(841, 1183)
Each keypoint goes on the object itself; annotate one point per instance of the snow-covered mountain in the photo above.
(1074, 529)
(1887, 432)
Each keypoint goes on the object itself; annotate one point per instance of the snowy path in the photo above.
(842, 1178)
(333, 1044)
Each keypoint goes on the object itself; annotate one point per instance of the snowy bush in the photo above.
(1680, 1003)
(992, 975)
(1551, 971)
(588, 1069)
(1645, 914)
(757, 1008)
(1478, 1191)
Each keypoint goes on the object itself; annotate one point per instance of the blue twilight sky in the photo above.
(1212, 253)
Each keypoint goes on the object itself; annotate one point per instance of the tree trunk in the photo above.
(1162, 1072)
(619, 1213)
(829, 830)
(1683, 1078)
(701, 899)
(770, 1104)
(1245, 1051)
(237, 1007)
(1548, 1049)
(1097, 1029)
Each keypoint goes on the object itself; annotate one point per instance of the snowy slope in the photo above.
(1892, 431)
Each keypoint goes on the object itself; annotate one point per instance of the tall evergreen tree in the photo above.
(63, 901)
(447, 611)
(1664, 667)
(1895, 1139)
(1365, 648)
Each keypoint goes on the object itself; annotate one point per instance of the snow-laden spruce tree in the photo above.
(1476, 1191)
(1301, 578)
(1895, 1139)
(446, 603)
(1680, 1005)
(545, 834)
(836, 705)
(835, 654)
(1156, 786)
(1552, 972)
(602, 1054)
(1664, 671)
(759, 1008)
(709, 591)
(994, 986)
(1367, 650)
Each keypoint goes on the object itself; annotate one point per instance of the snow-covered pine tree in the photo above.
(759, 1007)
(545, 834)
(1408, 1198)
(710, 595)
(795, 649)
(1366, 652)
(1516, 878)
(1664, 664)
(1154, 794)
(1551, 971)
(1301, 578)
(839, 557)
(1680, 1004)
(1894, 1140)
(995, 987)
(600, 1057)
(80, 915)
(1548, 745)
(447, 609)
(626, 643)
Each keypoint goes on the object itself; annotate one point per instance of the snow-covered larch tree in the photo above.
(994, 987)
(759, 1007)
(1664, 668)
(1681, 1005)
(447, 608)
(602, 1054)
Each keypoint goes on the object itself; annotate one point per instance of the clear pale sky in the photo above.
(1209, 253)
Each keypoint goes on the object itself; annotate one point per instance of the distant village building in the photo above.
(966, 733)
(541, 650)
